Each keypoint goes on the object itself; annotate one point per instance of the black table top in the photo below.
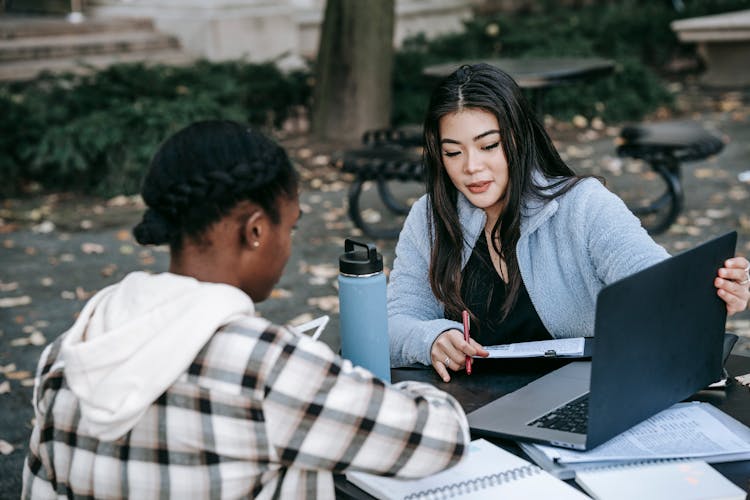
(491, 379)
(536, 73)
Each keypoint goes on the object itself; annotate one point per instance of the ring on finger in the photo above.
(447, 361)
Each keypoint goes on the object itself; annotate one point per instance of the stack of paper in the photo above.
(686, 430)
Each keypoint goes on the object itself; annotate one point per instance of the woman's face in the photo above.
(473, 156)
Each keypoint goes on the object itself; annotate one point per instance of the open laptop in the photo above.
(658, 340)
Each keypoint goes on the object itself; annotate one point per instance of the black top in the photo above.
(483, 291)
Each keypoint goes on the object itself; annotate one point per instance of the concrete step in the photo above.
(13, 26)
(48, 47)
(30, 69)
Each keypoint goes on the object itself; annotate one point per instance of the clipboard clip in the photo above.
(550, 353)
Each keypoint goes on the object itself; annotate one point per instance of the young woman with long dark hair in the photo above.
(508, 232)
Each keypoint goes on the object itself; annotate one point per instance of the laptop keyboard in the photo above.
(571, 417)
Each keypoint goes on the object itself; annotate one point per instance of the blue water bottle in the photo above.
(364, 319)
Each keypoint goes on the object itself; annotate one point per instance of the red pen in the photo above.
(465, 316)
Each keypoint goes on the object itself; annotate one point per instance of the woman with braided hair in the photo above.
(169, 385)
(509, 233)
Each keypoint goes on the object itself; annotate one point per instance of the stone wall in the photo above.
(259, 30)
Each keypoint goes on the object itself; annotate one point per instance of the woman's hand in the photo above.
(450, 350)
(733, 284)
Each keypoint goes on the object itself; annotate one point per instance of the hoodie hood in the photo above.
(134, 339)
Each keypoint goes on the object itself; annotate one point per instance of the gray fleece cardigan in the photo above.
(569, 248)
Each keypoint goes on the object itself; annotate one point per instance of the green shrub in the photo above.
(96, 133)
(634, 33)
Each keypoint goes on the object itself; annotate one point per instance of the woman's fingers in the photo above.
(479, 350)
(449, 352)
(441, 370)
(733, 284)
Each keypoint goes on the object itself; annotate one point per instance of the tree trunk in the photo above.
(353, 74)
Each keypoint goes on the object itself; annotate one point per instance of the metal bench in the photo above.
(380, 163)
(394, 155)
(665, 146)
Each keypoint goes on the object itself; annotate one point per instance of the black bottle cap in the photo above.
(360, 262)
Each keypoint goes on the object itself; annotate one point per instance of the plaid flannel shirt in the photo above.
(261, 412)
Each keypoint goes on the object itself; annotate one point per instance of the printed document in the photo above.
(688, 430)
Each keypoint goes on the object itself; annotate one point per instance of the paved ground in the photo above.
(56, 251)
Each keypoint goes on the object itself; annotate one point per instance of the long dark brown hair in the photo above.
(527, 148)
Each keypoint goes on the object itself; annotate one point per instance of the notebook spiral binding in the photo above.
(475, 484)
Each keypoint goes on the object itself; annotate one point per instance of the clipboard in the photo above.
(544, 349)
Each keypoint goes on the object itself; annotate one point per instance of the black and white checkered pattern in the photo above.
(257, 414)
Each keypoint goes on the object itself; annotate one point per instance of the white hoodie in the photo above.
(135, 338)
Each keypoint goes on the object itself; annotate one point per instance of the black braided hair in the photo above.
(201, 172)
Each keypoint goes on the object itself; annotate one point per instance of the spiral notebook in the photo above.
(686, 480)
(486, 472)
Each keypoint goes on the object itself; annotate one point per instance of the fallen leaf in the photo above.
(280, 293)
(5, 387)
(5, 447)
(126, 250)
(18, 375)
(46, 281)
(123, 235)
(737, 193)
(321, 160)
(15, 301)
(45, 227)
(9, 244)
(317, 281)
(580, 121)
(328, 303)
(718, 214)
(302, 318)
(704, 173)
(89, 248)
(37, 338)
(8, 368)
(27, 382)
(371, 216)
(579, 151)
(118, 201)
(67, 257)
(82, 294)
(68, 295)
(322, 270)
(8, 287)
(108, 270)
(86, 224)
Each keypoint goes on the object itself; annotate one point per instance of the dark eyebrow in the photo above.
(483, 134)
